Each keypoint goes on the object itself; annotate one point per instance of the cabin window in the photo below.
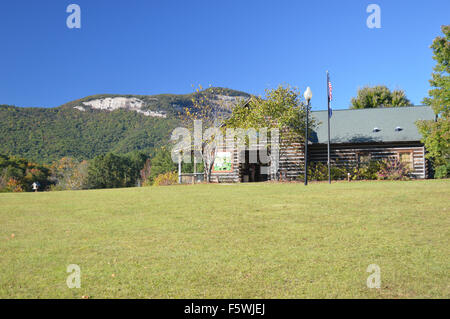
(363, 157)
(407, 158)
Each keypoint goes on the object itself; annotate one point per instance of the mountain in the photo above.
(98, 124)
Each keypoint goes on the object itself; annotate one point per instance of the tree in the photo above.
(136, 162)
(436, 134)
(161, 163)
(378, 96)
(281, 109)
(17, 174)
(68, 173)
(210, 107)
(439, 95)
(113, 171)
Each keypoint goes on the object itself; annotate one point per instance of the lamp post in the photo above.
(308, 96)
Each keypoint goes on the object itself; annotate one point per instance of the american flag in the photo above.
(330, 90)
(330, 95)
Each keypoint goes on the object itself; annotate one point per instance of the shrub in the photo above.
(318, 171)
(366, 171)
(169, 178)
(338, 173)
(393, 170)
(14, 186)
(442, 171)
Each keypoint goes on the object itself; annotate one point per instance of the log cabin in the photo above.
(356, 136)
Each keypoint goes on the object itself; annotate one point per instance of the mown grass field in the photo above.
(229, 241)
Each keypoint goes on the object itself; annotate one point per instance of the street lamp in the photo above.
(308, 96)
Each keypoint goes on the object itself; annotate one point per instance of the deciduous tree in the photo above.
(436, 134)
(378, 96)
(281, 109)
(211, 107)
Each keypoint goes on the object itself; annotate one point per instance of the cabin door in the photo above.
(252, 170)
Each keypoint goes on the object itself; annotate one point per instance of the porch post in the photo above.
(179, 168)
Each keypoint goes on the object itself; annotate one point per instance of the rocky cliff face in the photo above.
(115, 103)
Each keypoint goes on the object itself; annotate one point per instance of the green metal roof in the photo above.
(394, 124)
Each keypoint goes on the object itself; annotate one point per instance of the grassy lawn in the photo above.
(229, 241)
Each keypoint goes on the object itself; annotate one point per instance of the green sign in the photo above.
(222, 162)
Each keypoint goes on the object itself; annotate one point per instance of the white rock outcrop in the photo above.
(115, 103)
(80, 108)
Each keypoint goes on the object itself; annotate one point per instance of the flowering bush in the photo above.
(393, 170)
(169, 178)
(372, 170)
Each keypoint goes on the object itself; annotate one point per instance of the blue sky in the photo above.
(166, 46)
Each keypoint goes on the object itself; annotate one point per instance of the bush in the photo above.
(366, 171)
(338, 173)
(169, 178)
(442, 171)
(318, 171)
(393, 170)
(14, 186)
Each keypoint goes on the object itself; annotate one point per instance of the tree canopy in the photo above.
(45, 135)
(114, 171)
(378, 96)
(436, 134)
(17, 174)
(439, 95)
(209, 108)
(281, 108)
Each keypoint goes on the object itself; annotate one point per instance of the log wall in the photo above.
(352, 154)
(291, 158)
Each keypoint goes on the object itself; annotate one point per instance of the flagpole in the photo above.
(329, 163)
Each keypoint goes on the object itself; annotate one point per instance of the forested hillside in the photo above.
(80, 131)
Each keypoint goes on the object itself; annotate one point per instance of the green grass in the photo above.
(229, 241)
